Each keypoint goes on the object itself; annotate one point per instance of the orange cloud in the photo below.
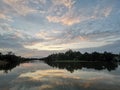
(72, 17)
(66, 20)
(2, 16)
(5, 17)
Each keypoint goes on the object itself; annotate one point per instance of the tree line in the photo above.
(67, 56)
(10, 57)
(78, 56)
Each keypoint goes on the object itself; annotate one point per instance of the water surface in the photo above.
(37, 75)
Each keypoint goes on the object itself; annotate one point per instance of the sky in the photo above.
(37, 28)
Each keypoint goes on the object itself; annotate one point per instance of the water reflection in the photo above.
(40, 76)
(71, 66)
(55, 79)
(8, 66)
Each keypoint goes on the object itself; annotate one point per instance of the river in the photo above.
(37, 75)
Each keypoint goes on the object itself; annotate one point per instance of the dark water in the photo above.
(37, 75)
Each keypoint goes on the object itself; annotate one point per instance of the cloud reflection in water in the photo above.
(55, 79)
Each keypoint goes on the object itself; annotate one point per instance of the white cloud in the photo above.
(76, 15)
(42, 1)
(107, 11)
(71, 18)
(20, 6)
(102, 12)
(48, 34)
(65, 46)
(67, 3)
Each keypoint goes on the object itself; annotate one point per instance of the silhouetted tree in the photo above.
(10, 57)
(0, 53)
(10, 53)
(73, 55)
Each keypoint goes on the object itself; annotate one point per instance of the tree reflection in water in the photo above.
(9, 66)
(71, 66)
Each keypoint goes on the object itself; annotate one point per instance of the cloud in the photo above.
(48, 35)
(52, 25)
(9, 42)
(95, 33)
(12, 39)
(42, 1)
(74, 14)
(70, 18)
(2, 16)
(64, 20)
(76, 38)
(67, 3)
(112, 47)
(83, 35)
(60, 40)
(20, 6)
(107, 11)
(101, 12)
(61, 12)
(65, 42)
(5, 17)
